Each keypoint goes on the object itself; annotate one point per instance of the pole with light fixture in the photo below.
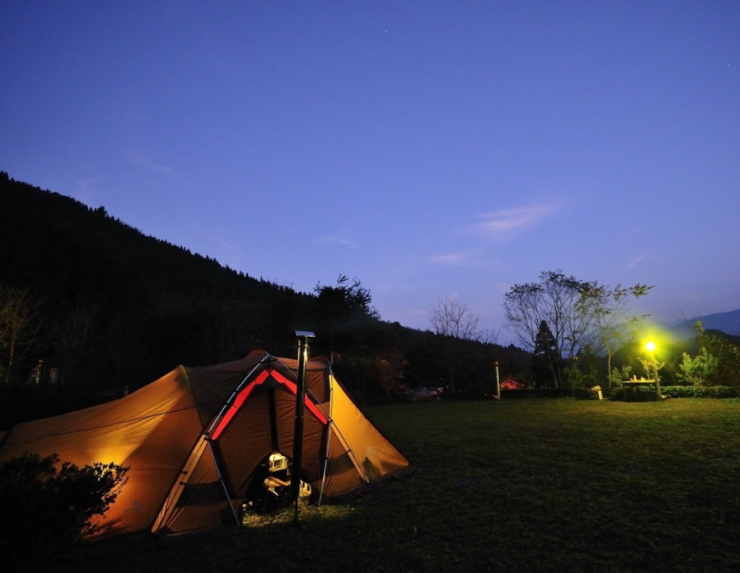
(300, 397)
(650, 347)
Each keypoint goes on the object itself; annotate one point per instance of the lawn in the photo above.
(517, 485)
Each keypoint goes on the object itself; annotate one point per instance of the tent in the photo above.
(202, 444)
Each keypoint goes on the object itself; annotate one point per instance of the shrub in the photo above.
(582, 393)
(48, 507)
(616, 394)
(535, 393)
(725, 392)
(700, 392)
(639, 394)
(681, 391)
(618, 375)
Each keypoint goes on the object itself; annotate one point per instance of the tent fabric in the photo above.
(193, 441)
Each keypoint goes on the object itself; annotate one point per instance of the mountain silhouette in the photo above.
(727, 322)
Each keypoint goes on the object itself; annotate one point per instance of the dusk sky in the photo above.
(428, 148)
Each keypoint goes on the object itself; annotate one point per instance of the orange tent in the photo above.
(198, 442)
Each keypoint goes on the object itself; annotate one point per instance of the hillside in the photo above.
(727, 322)
(68, 249)
(115, 309)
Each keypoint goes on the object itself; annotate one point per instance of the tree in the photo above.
(74, 335)
(20, 323)
(697, 371)
(459, 341)
(554, 300)
(724, 352)
(344, 311)
(652, 367)
(453, 317)
(547, 363)
(346, 299)
(610, 320)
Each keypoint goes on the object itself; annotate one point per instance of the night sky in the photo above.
(430, 149)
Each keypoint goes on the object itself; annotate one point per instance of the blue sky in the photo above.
(430, 149)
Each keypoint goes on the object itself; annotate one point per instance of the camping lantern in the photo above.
(277, 462)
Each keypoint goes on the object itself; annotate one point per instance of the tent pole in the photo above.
(300, 396)
(209, 442)
(328, 434)
(223, 481)
(267, 358)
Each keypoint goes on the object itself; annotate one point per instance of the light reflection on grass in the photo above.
(306, 514)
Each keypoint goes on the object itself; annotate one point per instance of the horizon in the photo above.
(428, 151)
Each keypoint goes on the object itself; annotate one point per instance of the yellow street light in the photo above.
(650, 346)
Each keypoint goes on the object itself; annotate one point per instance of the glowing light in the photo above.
(650, 346)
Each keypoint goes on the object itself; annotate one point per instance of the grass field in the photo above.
(519, 485)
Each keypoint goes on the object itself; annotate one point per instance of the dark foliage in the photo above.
(726, 348)
(547, 363)
(721, 392)
(49, 507)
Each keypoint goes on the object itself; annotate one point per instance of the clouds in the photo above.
(639, 260)
(505, 223)
(453, 259)
(137, 157)
(496, 226)
(471, 259)
(335, 240)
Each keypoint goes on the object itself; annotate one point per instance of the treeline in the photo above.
(582, 335)
(91, 308)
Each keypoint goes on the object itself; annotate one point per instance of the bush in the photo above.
(700, 392)
(724, 392)
(535, 393)
(640, 394)
(615, 394)
(48, 507)
(682, 391)
(582, 393)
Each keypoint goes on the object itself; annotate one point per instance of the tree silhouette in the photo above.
(547, 363)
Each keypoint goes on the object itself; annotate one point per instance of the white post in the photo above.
(498, 384)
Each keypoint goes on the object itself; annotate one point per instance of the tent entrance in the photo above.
(270, 485)
(243, 461)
